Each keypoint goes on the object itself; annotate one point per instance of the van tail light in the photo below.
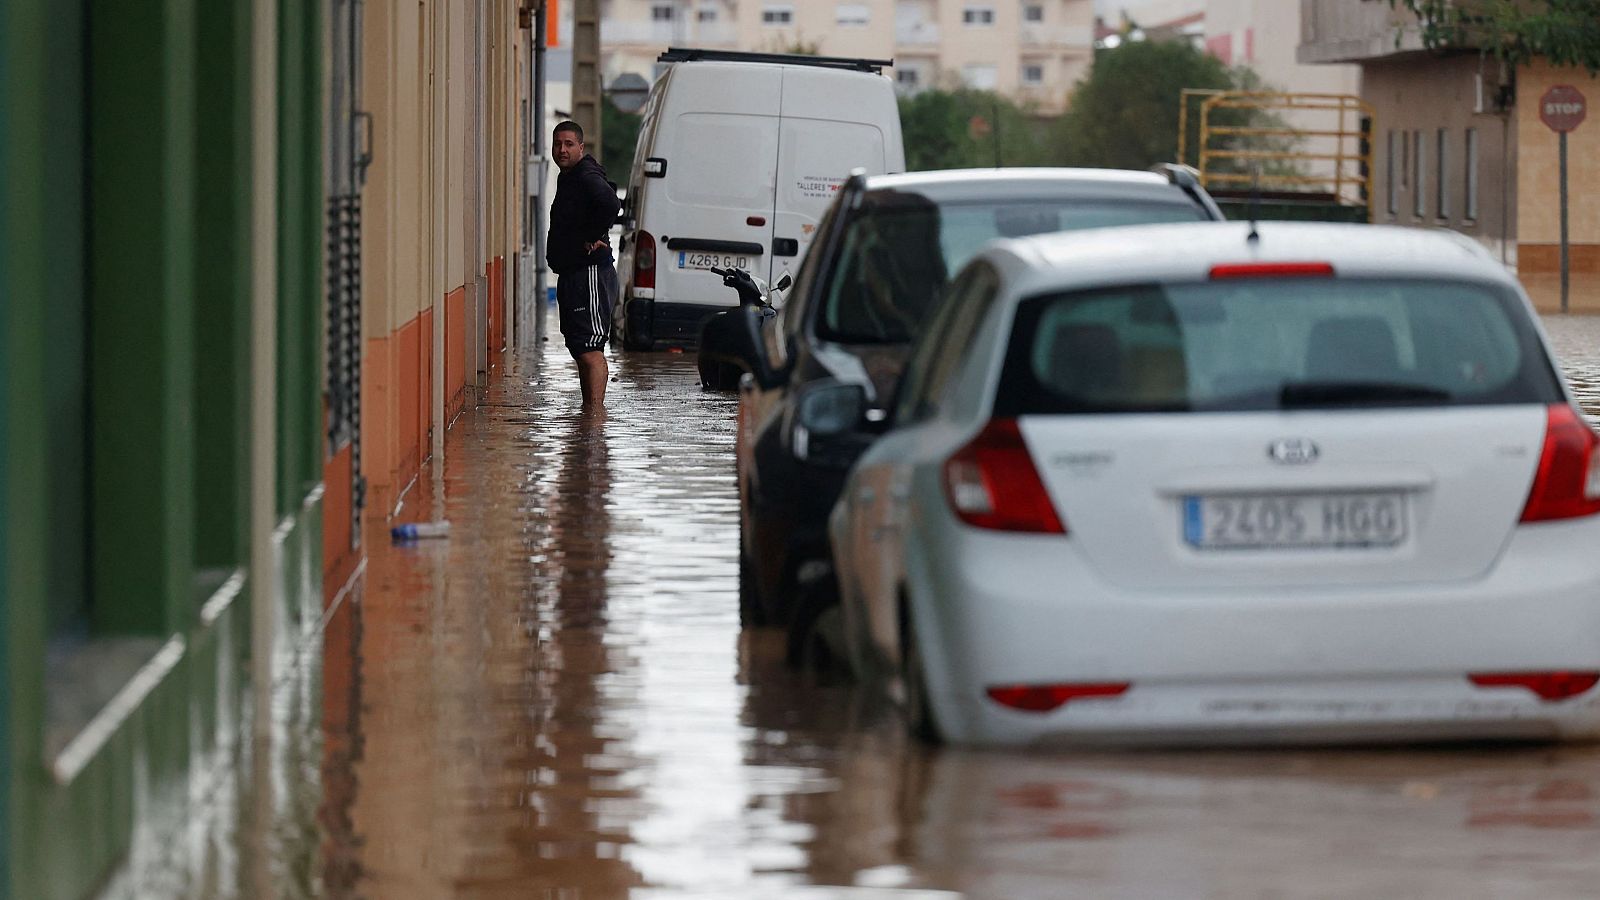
(644, 260)
(1550, 686)
(992, 483)
(1046, 697)
(1567, 483)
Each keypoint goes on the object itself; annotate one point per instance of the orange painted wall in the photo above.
(455, 352)
(338, 559)
(396, 383)
(422, 397)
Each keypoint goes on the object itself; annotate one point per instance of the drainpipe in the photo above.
(536, 172)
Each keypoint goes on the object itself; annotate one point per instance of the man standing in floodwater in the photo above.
(581, 217)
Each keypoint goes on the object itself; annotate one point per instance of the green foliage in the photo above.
(1125, 112)
(619, 132)
(969, 128)
(1565, 32)
(797, 45)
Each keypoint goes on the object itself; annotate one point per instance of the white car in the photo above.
(1214, 483)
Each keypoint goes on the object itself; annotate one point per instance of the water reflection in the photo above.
(558, 702)
(1576, 340)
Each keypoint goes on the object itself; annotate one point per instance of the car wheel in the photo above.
(920, 719)
(720, 376)
(807, 646)
(751, 612)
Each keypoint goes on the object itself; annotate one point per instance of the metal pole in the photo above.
(536, 174)
(1564, 270)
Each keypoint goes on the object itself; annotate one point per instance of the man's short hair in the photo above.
(569, 125)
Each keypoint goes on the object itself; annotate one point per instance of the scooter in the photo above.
(718, 371)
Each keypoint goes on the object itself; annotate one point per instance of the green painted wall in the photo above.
(124, 386)
(222, 284)
(38, 165)
(300, 216)
(141, 313)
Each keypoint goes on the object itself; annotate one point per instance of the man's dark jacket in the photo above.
(583, 212)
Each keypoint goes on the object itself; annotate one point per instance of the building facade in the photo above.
(1459, 142)
(253, 262)
(1031, 50)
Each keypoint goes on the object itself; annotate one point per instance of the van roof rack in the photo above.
(695, 54)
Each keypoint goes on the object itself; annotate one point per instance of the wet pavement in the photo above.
(557, 702)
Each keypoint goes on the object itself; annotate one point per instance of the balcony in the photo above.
(1056, 37)
(916, 34)
(697, 34)
(1333, 31)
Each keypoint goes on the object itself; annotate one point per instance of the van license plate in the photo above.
(1295, 521)
(692, 260)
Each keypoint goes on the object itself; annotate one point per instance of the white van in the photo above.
(738, 156)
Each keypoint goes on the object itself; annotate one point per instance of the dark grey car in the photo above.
(873, 277)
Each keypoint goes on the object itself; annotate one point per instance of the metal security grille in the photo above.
(344, 322)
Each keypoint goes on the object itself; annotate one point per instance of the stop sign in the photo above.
(1562, 108)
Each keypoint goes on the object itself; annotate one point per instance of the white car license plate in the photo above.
(1295, 521)
(689, 259)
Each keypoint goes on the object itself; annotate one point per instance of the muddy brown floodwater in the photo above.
(557, 702)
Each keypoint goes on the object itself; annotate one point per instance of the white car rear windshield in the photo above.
(897, 256)
(1259, 344)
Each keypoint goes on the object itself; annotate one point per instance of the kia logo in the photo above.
(1292, 451)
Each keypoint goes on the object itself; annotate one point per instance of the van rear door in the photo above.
(833, 122)
(721, 172)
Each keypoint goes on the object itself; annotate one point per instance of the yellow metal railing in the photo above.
(1333, 151)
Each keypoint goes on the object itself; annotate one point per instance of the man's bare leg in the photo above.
(592, 375)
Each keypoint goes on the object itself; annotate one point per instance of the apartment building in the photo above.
(1031, 50)
(1458, 139)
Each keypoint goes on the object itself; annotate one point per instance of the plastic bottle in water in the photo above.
(418, 530)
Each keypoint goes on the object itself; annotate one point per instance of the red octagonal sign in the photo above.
(1562, 108)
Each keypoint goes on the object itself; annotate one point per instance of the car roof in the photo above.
(956, 185)
(1187, 251)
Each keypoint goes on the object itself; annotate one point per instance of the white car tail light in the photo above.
(1225, 271)
(1550, 686)
(992, 483)
(1046, 697)
(1567, 482)
(644, 260)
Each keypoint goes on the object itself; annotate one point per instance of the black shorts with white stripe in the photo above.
(584, 298)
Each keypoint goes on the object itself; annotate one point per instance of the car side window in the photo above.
(944, 345)
(799, 302)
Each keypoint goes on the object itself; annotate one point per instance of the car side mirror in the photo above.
(829, 409)
(828, 424)
(732, 339)
(785, 281)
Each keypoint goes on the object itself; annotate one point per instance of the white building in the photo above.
(1031, 50)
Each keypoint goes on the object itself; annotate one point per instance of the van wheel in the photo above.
(631, 342)
(920, 720)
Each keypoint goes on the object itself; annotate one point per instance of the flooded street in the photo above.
(558, 702)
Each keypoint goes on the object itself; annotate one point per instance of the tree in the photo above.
(619, 132)
(947, 129)
(1125, 113)
(1565, 32)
